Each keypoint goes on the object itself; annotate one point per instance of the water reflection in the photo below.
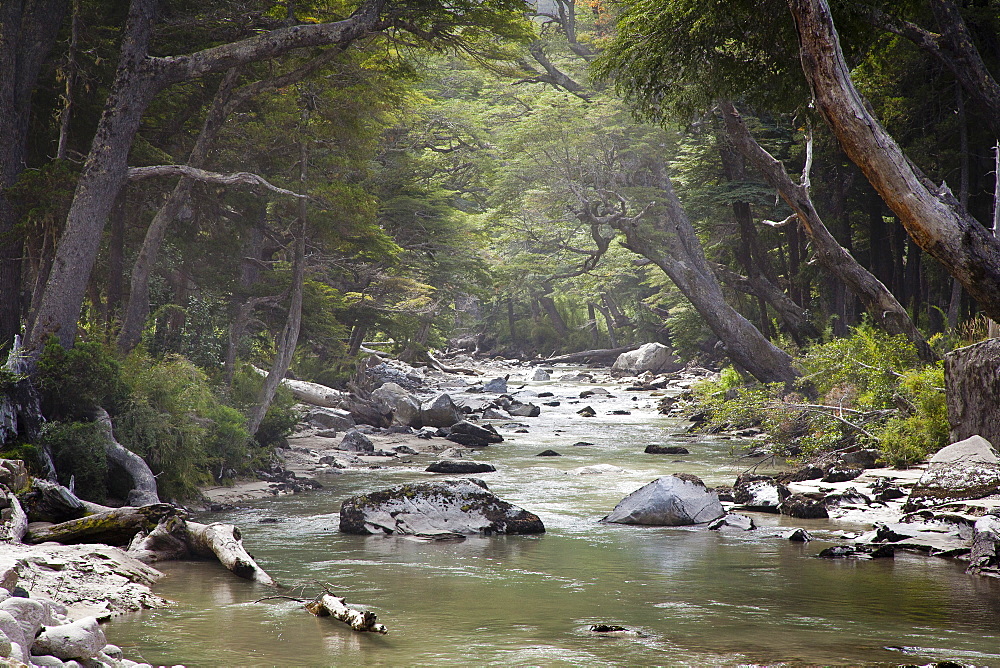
(699, 597)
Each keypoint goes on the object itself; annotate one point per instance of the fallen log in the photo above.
(114, 527)
(311, 393)
(449, 369)
(176, 538)
(225, 543)
(604, 355)
(328, 605)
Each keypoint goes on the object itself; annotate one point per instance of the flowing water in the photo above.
(698, 597)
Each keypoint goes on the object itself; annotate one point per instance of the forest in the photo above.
(198, 199)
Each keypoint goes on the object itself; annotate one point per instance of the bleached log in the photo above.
(225, 543)
(605, 354)
(311, 393)
(14, 522)
(328, 605)
(143, 480)
(450, 369)
(168, 541)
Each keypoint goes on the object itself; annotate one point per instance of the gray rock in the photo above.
(327, 433)
(113, 651)
(540, 374)
(28, 612)
(460, 466)
(525, 410)
(440, 411)
(405, 407)
(759, 492)
(82, 639)
(495, 414)
(673, 500)
(548, 453)
(6, 646)
(653, 357)
(961, 471)
(47, 661)
(587, 411)
(11, 628)
(733, 521)
(838, 474)
(655, 449)
(798, 536)
(496, 386)
(355, 441)
(802, 507)
(472, 435)
(986, 535)
(443, 507)
(330, 418)
(13, 474)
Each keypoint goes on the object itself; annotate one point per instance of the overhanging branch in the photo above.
(236, 178)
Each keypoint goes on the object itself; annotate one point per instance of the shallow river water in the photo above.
(698, 597)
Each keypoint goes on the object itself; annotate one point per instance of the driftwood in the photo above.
(143, 480)
(603, 355)
(449, 369)
(328, 605)
(311, 393)
(113, 527)
(176, 538)
(13, 522)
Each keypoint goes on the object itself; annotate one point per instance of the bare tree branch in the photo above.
(236, 178)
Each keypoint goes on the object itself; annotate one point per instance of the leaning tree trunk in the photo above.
(143, 481)
(972, 382)
(930, 213)
(881, 304)
(673, 245)
(290, 333)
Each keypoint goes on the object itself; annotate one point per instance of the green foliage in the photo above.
(909, 438)
(281, 416)
(888, 401)
(78, 453)
(860, 371)
(178, 424)
(73, 382)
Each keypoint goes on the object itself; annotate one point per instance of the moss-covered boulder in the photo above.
(436, 508)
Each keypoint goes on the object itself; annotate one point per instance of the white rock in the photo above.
(82, 639)
(973, 450)
(440, 411)
(29, 613)
(653, 357)
(49, 661)
(405, 408)
(673, 500)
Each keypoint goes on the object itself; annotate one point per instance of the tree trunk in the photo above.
(143, 481)
(28, 31)
(290, 333)
(328, 605)
(138, 79)
(225, 542)
(610, 323)
(972, 382)
(117, 526)
(883, 307)
(930, 213)
(116, 260)
(673, 246)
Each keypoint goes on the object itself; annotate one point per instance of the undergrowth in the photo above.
(869, 389)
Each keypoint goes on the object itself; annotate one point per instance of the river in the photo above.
(698, 597)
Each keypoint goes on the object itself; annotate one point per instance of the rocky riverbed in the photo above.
(937, 509)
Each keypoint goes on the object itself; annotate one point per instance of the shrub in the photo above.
(78, 453)
(73, 382)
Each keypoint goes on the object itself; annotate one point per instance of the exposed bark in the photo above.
(138, 79)
(113, 527)
(70, 70)
(311, 393)
(328, 605)
(883, 307)
(13, 522)
(290, 332)
(668, 240)
(552, 75)
(143, 481)
(175, 538)
(225, 542)
(606, 355)
(972, 383)
(756, 264)
(28, 30)
(930, 213)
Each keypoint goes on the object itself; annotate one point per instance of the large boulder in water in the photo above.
(962, 471)
(440, 411)
(674, 500)
(405, 407)
(654, 357)
(472, 435)
(436, 508)
(454, 466)
(355, 441)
